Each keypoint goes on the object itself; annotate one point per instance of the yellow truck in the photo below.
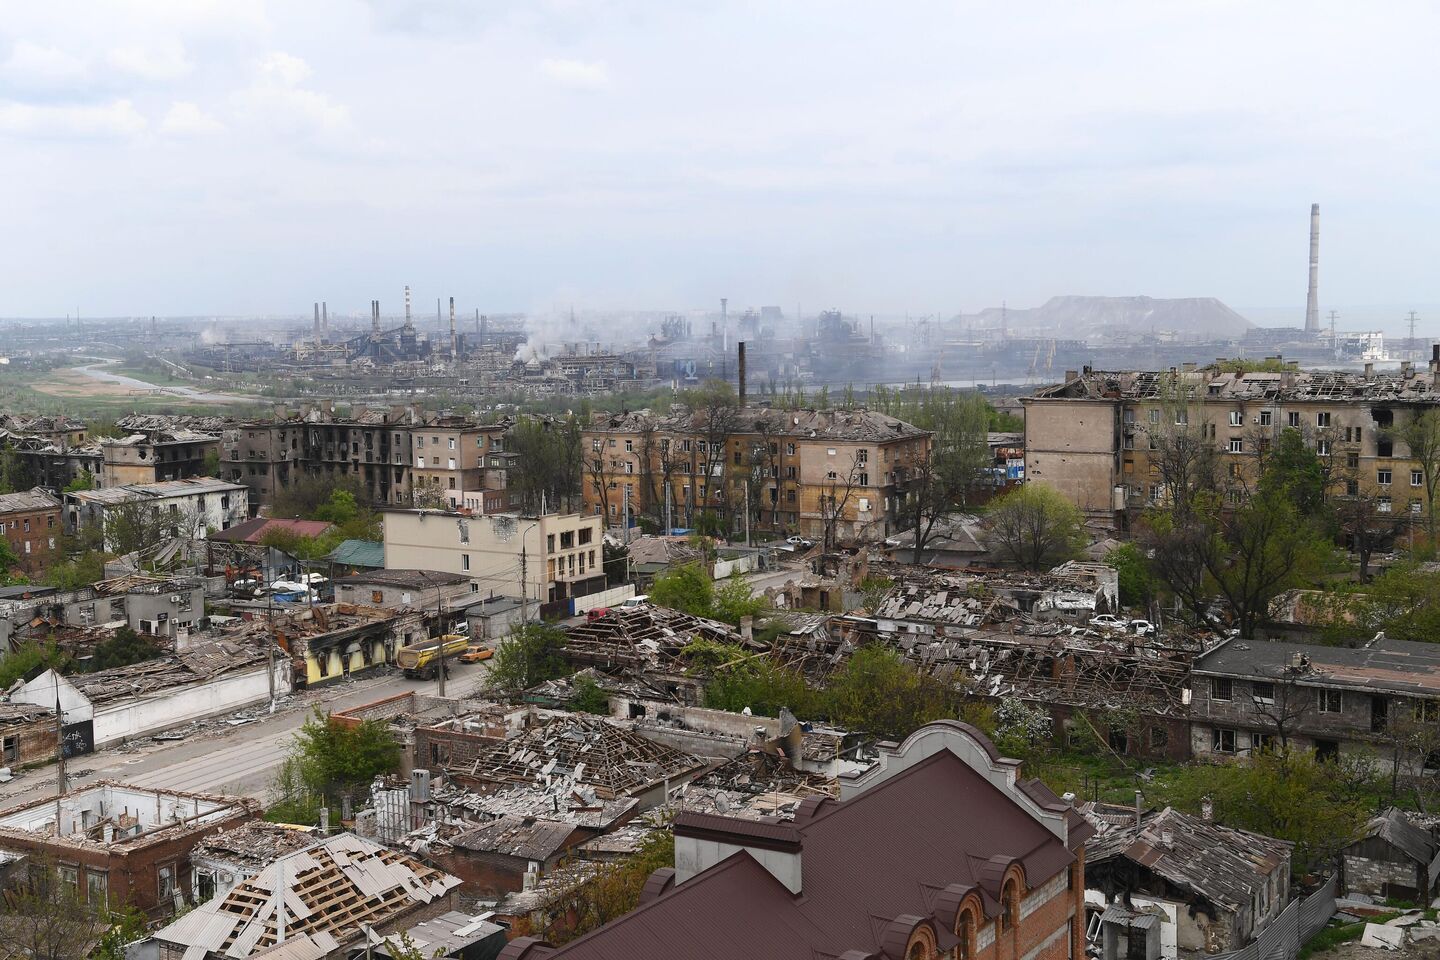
(422, 660)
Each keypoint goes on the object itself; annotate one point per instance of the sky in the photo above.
(247, 158)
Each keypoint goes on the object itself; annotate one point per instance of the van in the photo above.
(630, 603)
(595, 613)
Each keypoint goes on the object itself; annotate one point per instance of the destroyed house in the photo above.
(27, 735)
(221, 861)
(587, 749)
(1215, 887)
(987, 868)
(116, 844)
(328, 642)
(494, 858)
(1363, 702)
(435, 732)
(333, 892)
(1394, 858)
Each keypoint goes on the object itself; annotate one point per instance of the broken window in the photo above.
(1262, 741)
(1384, 447)
(1328, 701)
(166, 881)
(1221, 688)
(1263, 692)
(1222, 741)
(1159, 738)
(1384, 417)
(97, 887)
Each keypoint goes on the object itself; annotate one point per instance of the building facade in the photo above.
(152, 456)
(31, 522)
(840, 473)
(192, 507)
(1099, 437)
(555, 556)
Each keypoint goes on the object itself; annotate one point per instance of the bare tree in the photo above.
(45, 917)
(1283, 703)
(715, 415)
(1183, 449)
(838, 492)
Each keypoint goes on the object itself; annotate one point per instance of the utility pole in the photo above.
(524, 587)
(270, 617)
(440, 626)
(668, 525)
(59, 750)
(1410, 344)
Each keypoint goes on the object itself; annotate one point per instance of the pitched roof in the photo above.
(359, 553)
(1396, 829)
(252, 531)
(330, 888)
(1221, 864)
(861, 875)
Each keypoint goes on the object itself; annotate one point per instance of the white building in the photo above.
(192, 506)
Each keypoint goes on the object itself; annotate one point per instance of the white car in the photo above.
(629, 603)
(799, 542)
(1142, 627)
(1106, 621)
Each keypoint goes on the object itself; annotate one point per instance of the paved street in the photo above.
(241, 761)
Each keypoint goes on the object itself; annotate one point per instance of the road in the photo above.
(96, 371)
(762, 580)
(238, 762)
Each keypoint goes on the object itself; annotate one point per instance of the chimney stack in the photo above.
(407, 304)
(454, 348)
(375, 317)
(324, 316)
(1312, 299)
(724, 325)
(317, 319)
(742, 374)
(1138, 815)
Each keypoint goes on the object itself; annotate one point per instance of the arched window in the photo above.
(922, 945)
(1010, 905)
(965, 933)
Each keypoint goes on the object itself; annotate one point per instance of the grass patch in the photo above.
(1332, 937)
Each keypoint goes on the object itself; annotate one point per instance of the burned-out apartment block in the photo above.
(115, 844)
(1379, 702)
(1098, 437)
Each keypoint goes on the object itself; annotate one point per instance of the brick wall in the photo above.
(1380, 878)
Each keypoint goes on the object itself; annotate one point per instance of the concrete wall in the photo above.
(123, 720)
(1073, 446)
(605, 598)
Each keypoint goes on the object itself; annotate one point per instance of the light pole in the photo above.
(439, 626)
(524, 582)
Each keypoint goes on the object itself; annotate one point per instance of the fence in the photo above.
(1295, 925)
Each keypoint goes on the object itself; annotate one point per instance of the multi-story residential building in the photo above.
(193, 506)
(151, 456)
(30, 522)
(555, 556)
(397, 454)
(450, 457)
(1375, 702)
(1099, 437)
(813, 472)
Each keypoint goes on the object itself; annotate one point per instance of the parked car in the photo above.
(476, 654)
(799, 542)
(596, 613)
(1142, 627)
(1108, 621)
(630, 603)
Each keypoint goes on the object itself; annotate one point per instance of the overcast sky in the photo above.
(223, 156)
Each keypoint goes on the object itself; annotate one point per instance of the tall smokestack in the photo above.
(324, 316)
(375, 317)
(454, 345)
(317, 318)
(1312, 300)
(407, 305)
(724, 326)
(741, 366)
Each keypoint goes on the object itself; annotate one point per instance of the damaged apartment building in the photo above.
(1379, 702)
(1098, 436)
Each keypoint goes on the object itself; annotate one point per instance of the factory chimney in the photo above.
(454, 344)
(324, 316)
(407, 305)
(741, 366)
(375, 317)
(317, 318)
(1312, 300)
(724, 326)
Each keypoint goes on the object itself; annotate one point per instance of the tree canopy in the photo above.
(1035, 527)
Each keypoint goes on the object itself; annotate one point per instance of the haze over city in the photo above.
(247, 158)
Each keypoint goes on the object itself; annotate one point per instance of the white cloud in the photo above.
(576, 73)
(277, 99)
(118, 118)
(35, 65)
(186, 119)
(168, 63)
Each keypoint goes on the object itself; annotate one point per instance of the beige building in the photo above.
(153, 456)
(1098, 436)
(797, 471)
(556, 556)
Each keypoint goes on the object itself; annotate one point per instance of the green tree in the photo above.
(686, 588)
(84, 480)
(588, 697)
(532, 654)
(29, 660)
(77, 572)
(1293, 472)
(734, 600)
(1421, 434)
(8, 562)
(607, 891)
(1035, 526)
(121, 650)
(339, 509)
(880, 692)
(756, 682)
(1137, 583)
(210, 466)
(134, 525)
(330, 760)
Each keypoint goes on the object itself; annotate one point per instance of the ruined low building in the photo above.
(27, 734)
(1393, 858)
(1211, 888)
(116, 844)
(335, 892)
(1374, 703)
(229, 857)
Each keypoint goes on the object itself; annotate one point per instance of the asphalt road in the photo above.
(238, 762)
